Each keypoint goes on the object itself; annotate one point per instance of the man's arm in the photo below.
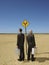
(34, 41)
(17, 41)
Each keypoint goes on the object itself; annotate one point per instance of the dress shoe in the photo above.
(19, 59)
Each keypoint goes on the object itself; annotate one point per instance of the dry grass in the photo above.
(8, 54)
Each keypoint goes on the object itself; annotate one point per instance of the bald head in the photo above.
(30, 32)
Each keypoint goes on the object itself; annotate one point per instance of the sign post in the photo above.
(25, 23)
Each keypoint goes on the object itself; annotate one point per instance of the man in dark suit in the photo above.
(20, 44)
(31, 44)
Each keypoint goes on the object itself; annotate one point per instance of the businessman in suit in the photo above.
(20, 44)
(31, 44)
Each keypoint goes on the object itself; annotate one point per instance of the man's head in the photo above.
(30, 32)
(20, 30)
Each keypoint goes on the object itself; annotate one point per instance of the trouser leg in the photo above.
(23, 56)
(32, 57)
(22, 53)
(28, 57)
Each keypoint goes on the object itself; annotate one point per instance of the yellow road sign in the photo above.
(25, 23)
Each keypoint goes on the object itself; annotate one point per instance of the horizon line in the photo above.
(24, 33)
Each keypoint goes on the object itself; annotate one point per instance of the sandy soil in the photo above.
(8, 54)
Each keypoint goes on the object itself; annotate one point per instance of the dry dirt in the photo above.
(8, 54)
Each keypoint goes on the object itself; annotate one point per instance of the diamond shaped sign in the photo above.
(25, 23)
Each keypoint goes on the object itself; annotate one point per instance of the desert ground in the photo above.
(8, 55)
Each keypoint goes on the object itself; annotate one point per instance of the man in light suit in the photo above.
(31, 45)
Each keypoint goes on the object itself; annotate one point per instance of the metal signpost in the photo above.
(25, 24)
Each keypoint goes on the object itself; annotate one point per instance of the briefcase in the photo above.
(17, 51)
(34, 50)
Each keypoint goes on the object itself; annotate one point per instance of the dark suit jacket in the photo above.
(20, 40)
(31, 41)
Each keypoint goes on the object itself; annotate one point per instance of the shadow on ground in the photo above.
(42, 59)
(43, 53)
(39, 59)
